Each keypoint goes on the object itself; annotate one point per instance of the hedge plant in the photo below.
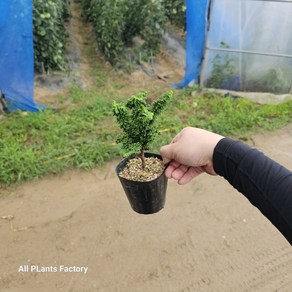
(117, 22)
(50, 35)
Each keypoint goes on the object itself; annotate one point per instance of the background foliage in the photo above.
(117, 22)
(175, 11)
(50, 35)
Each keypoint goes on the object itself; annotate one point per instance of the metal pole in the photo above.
(249, 52)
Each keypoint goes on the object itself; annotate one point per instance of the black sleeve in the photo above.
(266, 184)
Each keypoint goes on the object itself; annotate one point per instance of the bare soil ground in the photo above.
(207, 238)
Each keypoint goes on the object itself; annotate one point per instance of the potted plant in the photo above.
(141, 173)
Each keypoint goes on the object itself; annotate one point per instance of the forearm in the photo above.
(265, 183)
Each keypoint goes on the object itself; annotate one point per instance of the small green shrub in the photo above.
(222, 70)
(275, 80)
(137, 119)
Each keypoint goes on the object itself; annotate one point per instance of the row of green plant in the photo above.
(51, 141)
(117, 22)
(50, 35)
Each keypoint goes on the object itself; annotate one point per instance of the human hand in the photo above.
(190, 153)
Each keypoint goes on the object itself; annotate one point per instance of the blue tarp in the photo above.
(16, 54)
(196, 15)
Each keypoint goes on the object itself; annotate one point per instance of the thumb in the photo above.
(167, 153)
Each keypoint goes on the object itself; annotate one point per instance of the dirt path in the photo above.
(208, 237)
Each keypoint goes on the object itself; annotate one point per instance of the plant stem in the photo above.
(142, 158)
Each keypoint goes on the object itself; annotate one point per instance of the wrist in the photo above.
(213, 145)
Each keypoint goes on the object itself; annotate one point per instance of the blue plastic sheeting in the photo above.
(16, 54)
(196, 14)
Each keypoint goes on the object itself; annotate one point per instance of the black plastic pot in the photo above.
(144, 197)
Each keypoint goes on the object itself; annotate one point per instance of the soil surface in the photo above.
(207, 238)
(134, 170)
